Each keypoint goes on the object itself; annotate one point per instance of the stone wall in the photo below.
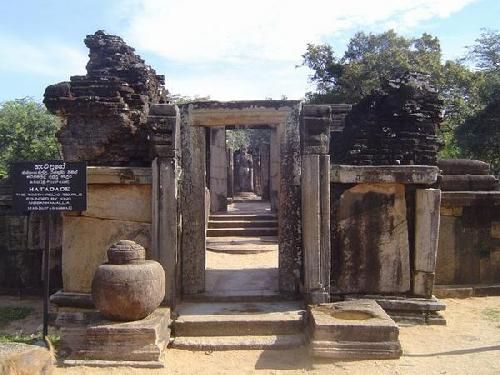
(469, 241)
(118, 208)
(105, 111)
(21, 246)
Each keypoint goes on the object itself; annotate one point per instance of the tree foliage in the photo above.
(27, 132)
(372, 58)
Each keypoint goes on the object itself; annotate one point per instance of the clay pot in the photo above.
(128, 287)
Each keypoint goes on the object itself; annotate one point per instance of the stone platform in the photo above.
(90, 340)
(352, 330)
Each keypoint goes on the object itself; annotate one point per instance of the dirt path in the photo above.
(469, 344)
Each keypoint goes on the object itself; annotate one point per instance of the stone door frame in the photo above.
(284, 116)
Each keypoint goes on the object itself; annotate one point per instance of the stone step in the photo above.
(239, 296)
(243, 224)
(232, 217)
(241, 232)
(239, 319)
(239, 342)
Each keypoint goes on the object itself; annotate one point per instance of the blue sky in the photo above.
(228, 49)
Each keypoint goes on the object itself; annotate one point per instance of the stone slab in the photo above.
(495, 229)
(463, 167)
(470, 198)
(370, 240)
(118, 175)
(85, 242)
(131, 202)
(401, 174)
(86, 335)
(100, 363)
(356, 329)
(427, 205)
(267, 342)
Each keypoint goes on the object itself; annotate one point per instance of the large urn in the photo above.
(128, 287)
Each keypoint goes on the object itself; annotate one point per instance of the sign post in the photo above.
(49, 186)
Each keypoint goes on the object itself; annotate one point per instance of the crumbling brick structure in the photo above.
(105, 111)
(394, 125)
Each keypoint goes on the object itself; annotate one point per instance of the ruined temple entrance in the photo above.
(240, 217)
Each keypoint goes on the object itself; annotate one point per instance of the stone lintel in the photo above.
(118, 175)
(255, 113)
(470, 198)
(402, 174)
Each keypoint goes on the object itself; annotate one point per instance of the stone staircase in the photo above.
(242, 225)
(239, 325)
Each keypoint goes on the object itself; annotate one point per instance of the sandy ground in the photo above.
(469, 344)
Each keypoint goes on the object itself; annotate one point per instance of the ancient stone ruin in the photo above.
(349, 198)
(105, 111)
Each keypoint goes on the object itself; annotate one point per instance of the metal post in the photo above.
(46, 277)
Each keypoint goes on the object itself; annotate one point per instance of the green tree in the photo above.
(27, 132)
(479, 135)
(368, 60)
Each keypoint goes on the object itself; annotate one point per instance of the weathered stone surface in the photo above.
(274, 169)
(357, 329)
(118, 175)
(119, 202)
(468, 183)
(463, 167)
(22, 359)
(495, 229)
(105, 111)
(423, 284)
(446, 261)
(85, 335)
(427, 205)
(128, 287)
(370, 250)
(85, 241)
(289, 211)
(194, 214)
(396, 124)
(218, 170)
(401, 174)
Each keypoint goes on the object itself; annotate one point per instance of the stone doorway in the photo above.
(205, 164)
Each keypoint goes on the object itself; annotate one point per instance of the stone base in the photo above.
(407, 310)
(466, 291)
(357, 329)
(87, 336)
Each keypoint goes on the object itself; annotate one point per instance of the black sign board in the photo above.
(52, 185)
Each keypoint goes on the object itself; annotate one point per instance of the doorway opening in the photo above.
(242, 231)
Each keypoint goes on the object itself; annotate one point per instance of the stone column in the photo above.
(427, 213)
(230, 172)
(315, 180)
(192, 204)
(264, 170)
(218, 170)
(163, 122)
(274, 169)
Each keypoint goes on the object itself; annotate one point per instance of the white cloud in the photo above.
(47, 59)
(231, 31)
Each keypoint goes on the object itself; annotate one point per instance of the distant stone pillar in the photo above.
(274, 169)
(315, 180)
(218, 170)
(230, 172)
(163, 123)
(257, 175)
(264, 171)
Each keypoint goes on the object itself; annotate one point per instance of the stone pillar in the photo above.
(289, 210)
(218, 170)
(193, 204)
(274, 169)
(315, 180)
(264, 170)
(230, 172)
(163, 122)
(427, 213)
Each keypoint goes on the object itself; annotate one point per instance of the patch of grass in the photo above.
(492, 314)
(9, 314)
(28, 339)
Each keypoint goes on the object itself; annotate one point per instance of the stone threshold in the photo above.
(467, 291)
(101, 363)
